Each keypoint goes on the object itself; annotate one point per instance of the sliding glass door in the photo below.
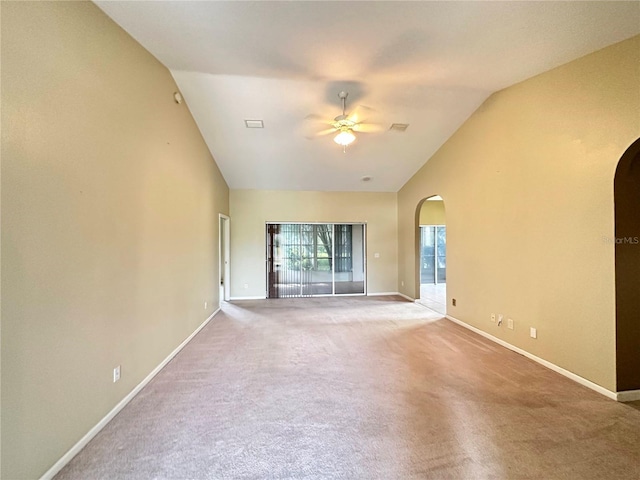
(307, 259)
(433, 246)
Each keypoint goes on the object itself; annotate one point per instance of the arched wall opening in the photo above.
(430, 254)
(627, 268)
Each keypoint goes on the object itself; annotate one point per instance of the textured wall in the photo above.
(110, 202)
(528, 186)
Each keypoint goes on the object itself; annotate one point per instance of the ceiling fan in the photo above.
(346, 126)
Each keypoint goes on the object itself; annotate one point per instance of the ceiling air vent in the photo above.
(254, 123)
(399, 127)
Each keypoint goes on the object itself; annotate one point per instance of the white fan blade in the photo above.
(368, 128)
(328, 131)
(314, 117)
(360, 114)
(316, 125)
(310, 134)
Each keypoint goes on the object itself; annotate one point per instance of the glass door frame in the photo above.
(333, 270)
(435, 253)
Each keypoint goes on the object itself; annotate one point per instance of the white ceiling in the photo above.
(429, 64)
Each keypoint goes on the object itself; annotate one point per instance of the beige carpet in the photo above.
(358, 388)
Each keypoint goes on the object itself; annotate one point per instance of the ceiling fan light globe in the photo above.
(344, 138)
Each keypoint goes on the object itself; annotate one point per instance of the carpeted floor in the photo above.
(358, 388)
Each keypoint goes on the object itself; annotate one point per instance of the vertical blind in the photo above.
(314, 259)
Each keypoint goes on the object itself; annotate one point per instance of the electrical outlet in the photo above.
(246, 285)
(205, 305)
(493, 317)
(116, 374)
(533, 332)
(500, 317)
(453, 302)
(510, 323)
(402, 283)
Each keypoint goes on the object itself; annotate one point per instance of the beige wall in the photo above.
(110, 202)
(432, 213)
(528, 186)
(251, 209)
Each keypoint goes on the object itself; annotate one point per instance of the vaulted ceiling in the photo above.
(426, 64)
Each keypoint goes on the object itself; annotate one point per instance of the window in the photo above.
(306, 259)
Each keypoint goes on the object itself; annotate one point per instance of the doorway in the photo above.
(627, 269)
(433, 249)
(432, 254)
(315, 259)
(224, 267)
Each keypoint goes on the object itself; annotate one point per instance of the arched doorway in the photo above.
(627, 258)
(431, 263)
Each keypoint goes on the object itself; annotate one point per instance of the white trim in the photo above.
(407, 297)
(260, 297)
(541, 361)
(337, 295)
(628, 396)
(73, 451)
(379, 294)
(333, 255)
(224, 256)
(360, 222)
(365, 261)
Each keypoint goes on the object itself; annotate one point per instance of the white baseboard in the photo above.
(379, 294)
(247, 298)
(628, 396)
(73, 451)
(406, 297)
(541, 361)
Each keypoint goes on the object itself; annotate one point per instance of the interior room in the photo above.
(432, 244)
(222, 220)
